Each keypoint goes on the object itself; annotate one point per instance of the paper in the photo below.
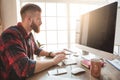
(89, 56)
(115, 63)
(57, 71)
(70, 61)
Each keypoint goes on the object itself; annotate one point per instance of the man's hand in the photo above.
(57, 53)
(58, 58)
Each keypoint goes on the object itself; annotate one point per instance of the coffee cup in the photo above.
(95, 67)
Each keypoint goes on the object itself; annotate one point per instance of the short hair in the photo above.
(29, 8)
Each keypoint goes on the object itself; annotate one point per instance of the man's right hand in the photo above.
(58, 58)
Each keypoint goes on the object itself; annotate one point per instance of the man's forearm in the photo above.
(44, 53)
(42, 65)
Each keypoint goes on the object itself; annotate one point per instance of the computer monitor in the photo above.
(97, 28)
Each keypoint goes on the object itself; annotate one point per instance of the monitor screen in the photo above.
(97, 28)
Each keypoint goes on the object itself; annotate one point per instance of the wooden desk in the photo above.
(108, 72)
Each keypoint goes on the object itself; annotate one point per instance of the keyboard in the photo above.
(115, 63)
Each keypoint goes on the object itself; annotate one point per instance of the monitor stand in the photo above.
(85, 52)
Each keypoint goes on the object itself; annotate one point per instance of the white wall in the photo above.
(9, 14)
(117, 37)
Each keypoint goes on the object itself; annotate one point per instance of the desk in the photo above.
(108, 72)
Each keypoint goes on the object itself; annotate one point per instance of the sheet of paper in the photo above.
(115, 63)
(57, 71)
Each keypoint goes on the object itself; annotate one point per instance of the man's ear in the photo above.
(29, 19)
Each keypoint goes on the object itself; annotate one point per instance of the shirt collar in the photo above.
(23, 31)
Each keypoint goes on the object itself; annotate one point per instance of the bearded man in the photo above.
(17, 47)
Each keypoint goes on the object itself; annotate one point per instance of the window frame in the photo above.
(67, 2)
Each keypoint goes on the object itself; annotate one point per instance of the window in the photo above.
(58, 22)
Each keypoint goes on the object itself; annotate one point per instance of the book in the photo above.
(87, 63)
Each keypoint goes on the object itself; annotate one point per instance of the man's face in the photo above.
(36, 22)
(35, 27)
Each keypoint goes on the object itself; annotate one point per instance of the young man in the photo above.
(17, 47)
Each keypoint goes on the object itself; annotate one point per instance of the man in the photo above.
(17, 47)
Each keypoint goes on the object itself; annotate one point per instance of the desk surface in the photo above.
(108, 72)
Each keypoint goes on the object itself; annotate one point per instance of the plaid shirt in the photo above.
(16, 53)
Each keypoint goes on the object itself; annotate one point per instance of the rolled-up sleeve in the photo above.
(24, 67)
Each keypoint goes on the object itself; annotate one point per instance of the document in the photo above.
(115, 63)
(89, 56)
(57, 71)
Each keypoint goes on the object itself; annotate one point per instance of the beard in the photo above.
(35, 27)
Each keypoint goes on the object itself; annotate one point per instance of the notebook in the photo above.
(87, 63)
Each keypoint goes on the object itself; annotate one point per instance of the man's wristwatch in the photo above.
(49, 54)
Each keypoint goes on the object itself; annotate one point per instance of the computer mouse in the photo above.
(77, 70)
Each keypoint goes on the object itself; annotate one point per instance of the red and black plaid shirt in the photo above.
(16, 53)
